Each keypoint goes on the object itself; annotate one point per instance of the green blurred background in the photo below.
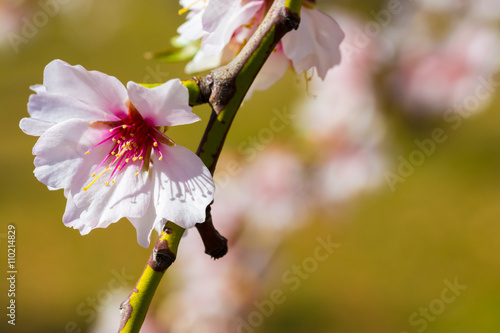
(397, 248)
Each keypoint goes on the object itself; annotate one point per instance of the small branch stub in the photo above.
(215, 243)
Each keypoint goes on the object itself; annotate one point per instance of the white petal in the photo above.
(274, 68)
(183, 186)
(165, 105)
(192, 29)
(91, 87)
(34, 127)
(202, 62)
(58, 108)
(73, 217)
(315, 43)
(38, 88)
(145, 225)
(61, 161)
(216, 12)
(129, 197)
(222, 28)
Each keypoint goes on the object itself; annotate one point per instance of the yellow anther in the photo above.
(93, 175)
(155, 144)
(140, 157)
(111, 130)
(95, 179)
(160, 158)
(126, 160)
(124, 126)
(113, 181)
(137, 173)
(134, 159)
(88, 152)
(106, 183)
(114, 140)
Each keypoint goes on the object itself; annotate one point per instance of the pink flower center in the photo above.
(133, 141)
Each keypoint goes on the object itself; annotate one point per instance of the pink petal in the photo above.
(183, 186)
(274, 68)
(165, 105)
(91, 87)
(315, 43)
(58, 108)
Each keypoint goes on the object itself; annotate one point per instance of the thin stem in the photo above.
(135, 307)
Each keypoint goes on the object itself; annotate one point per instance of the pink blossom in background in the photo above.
(103, 144)
(343, 124)
(276, 190)
(435, 74)
(11, 13)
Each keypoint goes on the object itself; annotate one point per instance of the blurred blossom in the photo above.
(343, 124)
(11, 13)
(442, 5)
(276, 190)
(484, 9)
(213, 294)
(210, 294)
(440, 73)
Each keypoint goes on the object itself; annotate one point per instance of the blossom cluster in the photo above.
(224, 26)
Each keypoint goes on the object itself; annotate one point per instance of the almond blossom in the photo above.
(224, 26)
(106, 146)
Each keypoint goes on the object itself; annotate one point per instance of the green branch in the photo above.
(224, 89)
(229, 84)
(135, 307)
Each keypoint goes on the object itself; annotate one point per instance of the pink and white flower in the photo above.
(104, 145)
(224, 26)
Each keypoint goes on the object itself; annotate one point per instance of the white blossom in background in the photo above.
(104, 145)
(224, 26)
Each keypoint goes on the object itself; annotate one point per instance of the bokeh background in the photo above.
(399, 245)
